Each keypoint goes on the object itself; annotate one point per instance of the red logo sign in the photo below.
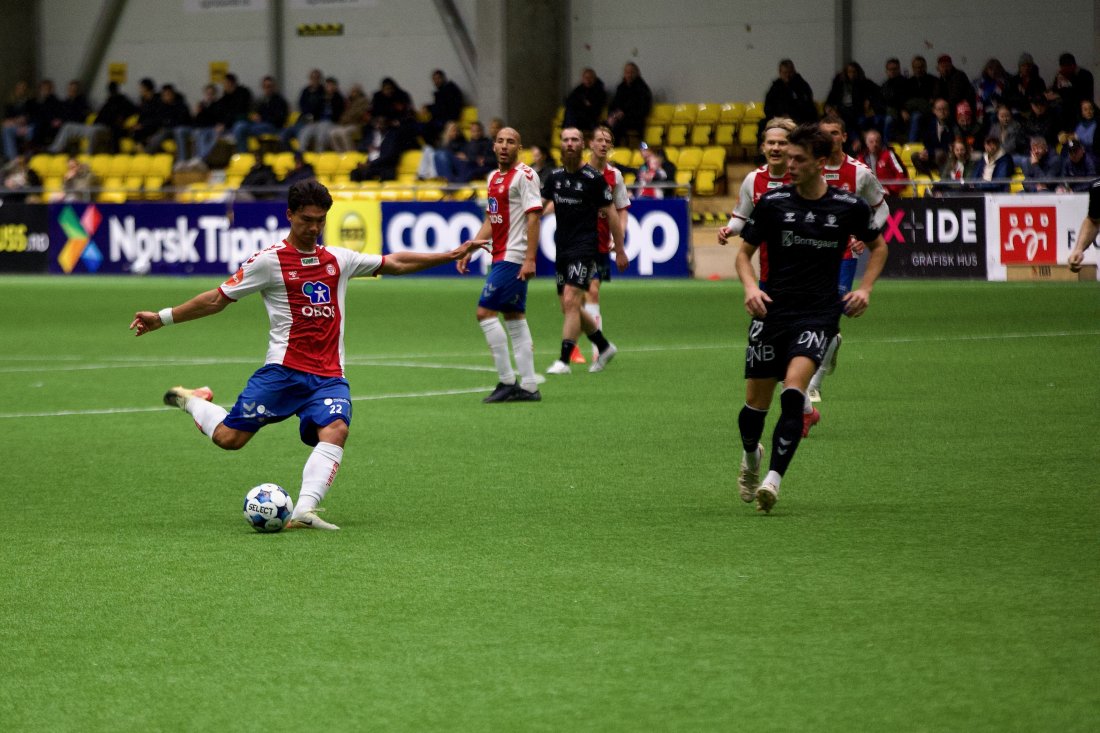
(1029, 235)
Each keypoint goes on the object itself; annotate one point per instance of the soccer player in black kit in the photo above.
(579, 193)
(806, 225)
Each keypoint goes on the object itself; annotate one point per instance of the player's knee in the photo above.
(335, 432)
(791, 401)
(230, 439)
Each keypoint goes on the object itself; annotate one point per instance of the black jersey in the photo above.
(1094, 200)
(578, 198)
(806, 242)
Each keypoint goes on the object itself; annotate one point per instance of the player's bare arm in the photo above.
(202, 305)
(618, 240)
(1085, 237)
(856, 302)
(534, 228)
(756, 300)
(482, 235)
(405, 263)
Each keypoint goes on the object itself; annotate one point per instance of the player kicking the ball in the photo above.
(302, 284)
(806, 226)
(512, 220)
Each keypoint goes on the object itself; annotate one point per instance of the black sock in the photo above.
(788, 431)
(751, 422)
(567, 347)
(597, 338)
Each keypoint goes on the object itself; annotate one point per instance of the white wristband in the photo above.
(166, 316)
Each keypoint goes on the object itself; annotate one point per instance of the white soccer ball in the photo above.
(267, 508)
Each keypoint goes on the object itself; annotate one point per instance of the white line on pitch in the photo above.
(132, 410)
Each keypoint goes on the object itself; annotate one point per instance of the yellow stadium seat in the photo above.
(661, 114)
(684, 114)
(559, 116)
(39, 164)
(636, 159)
(327, 163)
(723, 134)
(119, 166)
(704, 183)
(469, 114)
(731, 112)
(714, 159)
(754, 112)
(689, 159)
(621, 156)
(677, 135)
(240, 164)
(654, 134)
(140, 165)
(429, 193)
(160, 166)
(57, 165)
(672, 155)
(408, 165)
(707, 113)
(350, 161)
(700, 134)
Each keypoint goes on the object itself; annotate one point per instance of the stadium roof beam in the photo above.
(460, 38)
(103, 32)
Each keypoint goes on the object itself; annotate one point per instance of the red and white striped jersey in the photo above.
(756, 184)
(619, 197)
(512, 195)
(304, 297)
(855, 177)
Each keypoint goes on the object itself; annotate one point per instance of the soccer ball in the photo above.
(268, 508)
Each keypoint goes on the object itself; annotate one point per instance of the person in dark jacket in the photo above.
(630, 106)
(790, 96)
(585, 103)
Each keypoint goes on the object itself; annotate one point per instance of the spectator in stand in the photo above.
(1024, 86)
(15, 124)
(74, 109)
(790, 96)
(391, 101)
(937, 138)
(958, 168)
(994, 165)
(989, 88)
(541, 162)
(17, 177)
(317, 134)
(78, 181)
(657, 169)
(259, 183)
(1042, 121)
(629, 108)
(918, 103)
(148, 112)
(894, 92)
(966, 126)
(203, 134)
(884, 162)
(74, 127)
(348, 131)
(584, 105)
(174, 117)
(1010, 135)
(451, 145)
(1070, 86)
(953, 84)
(857, 100)
(268, 115)
(1085, 131)
(383, 166)
(310, 102)
(495, 126)
(44, 114)
(302, 171)
(446, 106)
(110, 121)
(474, 161)
(1042, 165)
(235, 103)
(1079, 163)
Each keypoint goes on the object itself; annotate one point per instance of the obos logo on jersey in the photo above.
(320, 300)
(494, 211)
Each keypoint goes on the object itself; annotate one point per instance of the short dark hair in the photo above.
(1067, 59)
(834, 119)
(231, 77)
(308, 193)
(813, 138)
(148, 83)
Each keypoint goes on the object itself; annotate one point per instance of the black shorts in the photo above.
(604, 265)
(577, 273)
(773, 343)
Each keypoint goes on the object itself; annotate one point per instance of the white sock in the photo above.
(807, 406)
(498, 347)
(206, 414)
(523, 346)
(594, 311)
(773, 478)
(752, 460)
(317, 476)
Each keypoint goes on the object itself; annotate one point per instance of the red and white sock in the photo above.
(317, 476)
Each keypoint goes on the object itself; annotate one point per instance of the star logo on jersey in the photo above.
(317, 292)
(80, 247)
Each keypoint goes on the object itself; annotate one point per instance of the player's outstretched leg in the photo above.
(199, 404)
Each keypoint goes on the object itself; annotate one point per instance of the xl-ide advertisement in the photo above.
(940, 237)
(214, 239)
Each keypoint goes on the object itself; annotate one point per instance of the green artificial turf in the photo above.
(581, 564)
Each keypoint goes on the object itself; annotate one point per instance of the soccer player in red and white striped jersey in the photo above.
(512, 221)
(303, 284)
(602, 142)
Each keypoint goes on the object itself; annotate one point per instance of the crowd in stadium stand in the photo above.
(970, 133)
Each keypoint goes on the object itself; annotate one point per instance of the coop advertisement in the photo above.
(24, 240)
(936, 238)
(215, 238)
